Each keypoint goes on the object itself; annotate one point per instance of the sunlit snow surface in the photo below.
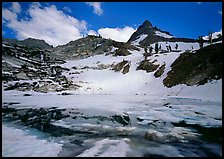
(214, 35)
(17, 143)
(107, 81)
(163, 34)
(107, 148)
(139, 39)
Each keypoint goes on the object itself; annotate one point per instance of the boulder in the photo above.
(160, 71)
(121, 52)
(118, 67)
(147, 66)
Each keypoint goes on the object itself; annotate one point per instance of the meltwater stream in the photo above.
(114, 125)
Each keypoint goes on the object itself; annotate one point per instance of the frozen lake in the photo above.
(113, 125)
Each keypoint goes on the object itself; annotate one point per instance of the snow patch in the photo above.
(214, 35)
(140, 38)
(107, 148)
(163, 34)
(17, 143)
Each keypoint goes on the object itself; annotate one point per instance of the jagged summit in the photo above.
(147, 24)
(147, 34)
(146, 28)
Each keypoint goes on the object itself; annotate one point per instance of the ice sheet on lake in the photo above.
(108, 148)
(17, 143)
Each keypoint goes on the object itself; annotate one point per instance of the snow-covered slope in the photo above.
(163, 34)
(95, 74)
(139, 39)
(107, 81)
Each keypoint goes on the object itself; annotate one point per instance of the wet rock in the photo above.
(7, 110)
(59, 89)
(74, 73)
(74, 67)
(85, 67)
(46, 87)
(57, 130)
(152, 155)
(20, 86)
(40, 119)
(212, 134)
(66, 93)
(21, 112)
(139, 119)
(22, 76)
(74, 87)
(77, 142)
(26, 94)
(9, 77)
(166, 104)
(42, 111)
(124, 120)
(172, 138)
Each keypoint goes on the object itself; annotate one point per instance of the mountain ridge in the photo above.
(29, 42)
(154, 35)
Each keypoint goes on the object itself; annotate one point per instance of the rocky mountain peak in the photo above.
(145, 29)
(147, 24)
(146, 34)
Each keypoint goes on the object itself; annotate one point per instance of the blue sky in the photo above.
(60, 22)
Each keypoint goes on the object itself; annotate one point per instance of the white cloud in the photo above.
(54, 26)
(117, 34)
(199, 2)
(92, 32)
(96, 6)
(67, 9)
(35, 5)
(16, 7)
(8, 15)
(220, 12)
(47, 23)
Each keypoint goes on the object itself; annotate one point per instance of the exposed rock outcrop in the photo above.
(196, 68)
(147, 66)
